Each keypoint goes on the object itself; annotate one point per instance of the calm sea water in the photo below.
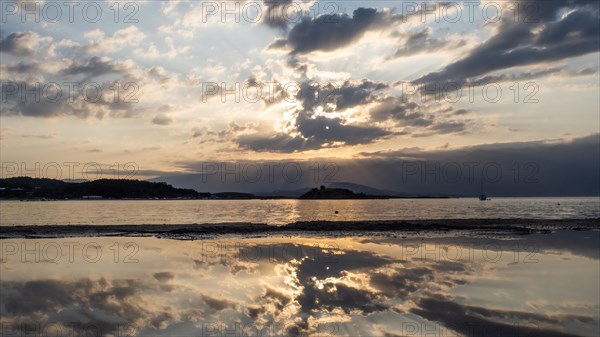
(109, 212)
(524, 285)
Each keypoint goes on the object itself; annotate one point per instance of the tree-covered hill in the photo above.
(27, 187)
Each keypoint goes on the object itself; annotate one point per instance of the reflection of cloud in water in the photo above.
(367, 286)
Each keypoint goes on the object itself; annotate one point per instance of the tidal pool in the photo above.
(413, 285)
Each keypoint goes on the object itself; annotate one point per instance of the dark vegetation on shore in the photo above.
(39, 188)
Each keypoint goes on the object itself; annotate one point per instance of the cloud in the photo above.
(449, 127)
(275, 13)
(104, 304)
(421, 42)
(314, 132)
(23, 43)
(333, 115)
(59, 101)
(312, 127)
(413, 118)
(401, 282)
(127, 37)
(95, 66)
(162, 120)
(394, 108)
(164, 276)
(326, 130)
(218, 304)
(546, 168)
(38, 136)
(351, 94)
(476, 321)
(23, 67)
(153, 52)
(330, 32)
(548, 38)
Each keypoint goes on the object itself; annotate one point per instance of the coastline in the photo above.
(320, 228)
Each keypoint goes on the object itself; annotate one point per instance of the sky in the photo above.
(157, 88)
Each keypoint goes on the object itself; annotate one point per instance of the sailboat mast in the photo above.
(482, 196)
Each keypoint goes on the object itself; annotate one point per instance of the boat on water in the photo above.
(482, 197)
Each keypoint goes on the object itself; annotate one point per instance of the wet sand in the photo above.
(321, 228)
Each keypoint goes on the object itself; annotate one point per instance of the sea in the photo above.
(278, 212)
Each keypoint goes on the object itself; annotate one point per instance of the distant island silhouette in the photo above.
(27, 188)
(41, 188)
(336, 193)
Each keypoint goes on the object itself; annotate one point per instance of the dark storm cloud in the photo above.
(35, 106)
(19, 44)
(333, 31)
(349, 94)
(103, 304)
(557, 168)
(404, 113)
(23, 67)
(421, 41)
(309, 130)
(478, 321)
(277, 297)
(397, 109)
(339, 296)
(552, 168)
(449, 127)
(95, 66)
(323, 285)
(278, 44)
(218, 304)
(519, 43)
(47, 101)
(326, 263)
(529, 75)
(330, 32)
(164, 276)
(315, 132)
(272, 302)
(278, 142)
(324, 130)
(275, 15)
(162, 120)
(338, 97)
(312, 131)
(400, 284)
(98, 306)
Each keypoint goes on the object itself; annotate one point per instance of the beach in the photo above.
(315, 228)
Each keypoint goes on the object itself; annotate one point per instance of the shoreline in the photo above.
(321, 228)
